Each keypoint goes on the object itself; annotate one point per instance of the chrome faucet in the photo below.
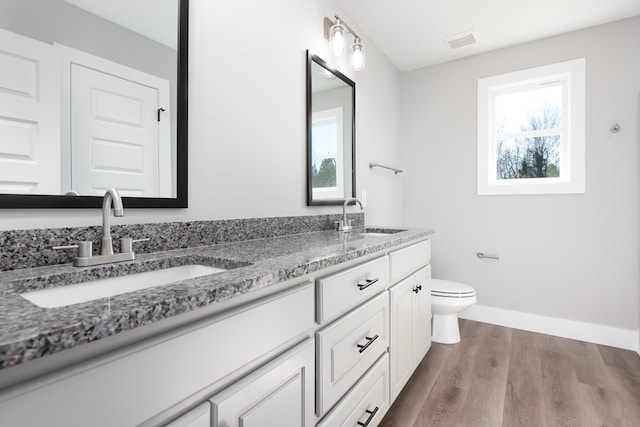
(345, 224)
(110, 197)
(85, 255)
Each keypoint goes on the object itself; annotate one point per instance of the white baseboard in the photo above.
(588, 332)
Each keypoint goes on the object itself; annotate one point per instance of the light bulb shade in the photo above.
(357, 56)
(336, 40)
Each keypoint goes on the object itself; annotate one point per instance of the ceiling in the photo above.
(411, 32)
(155, 19)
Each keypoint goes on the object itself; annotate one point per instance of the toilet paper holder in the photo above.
(482, 255)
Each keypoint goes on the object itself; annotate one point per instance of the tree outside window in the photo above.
(528, 132)
(327, 175)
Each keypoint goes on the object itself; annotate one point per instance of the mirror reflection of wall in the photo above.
(331, 135)
(41, 152)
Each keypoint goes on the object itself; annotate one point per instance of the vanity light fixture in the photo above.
(336, 36)
(335, 32)
(357, 57)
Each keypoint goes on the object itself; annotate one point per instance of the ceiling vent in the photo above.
(461, 39)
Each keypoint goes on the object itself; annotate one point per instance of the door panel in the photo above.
(114, 134)
(402, 330)
(278, 394)
(423, 313)
(272, 407)
(29, 116)
(199, 416)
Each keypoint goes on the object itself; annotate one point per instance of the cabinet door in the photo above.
(278, 394)
(200, 416)
(402, 326)
(423, 314)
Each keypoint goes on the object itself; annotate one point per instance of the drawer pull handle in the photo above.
(369, 341)
(366, 284)
(371, 415)
(417, 289)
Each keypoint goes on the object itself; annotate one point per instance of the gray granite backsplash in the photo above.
(33, 248)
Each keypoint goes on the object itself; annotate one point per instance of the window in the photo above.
(531, 131)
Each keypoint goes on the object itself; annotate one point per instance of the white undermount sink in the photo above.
(380, 231)
(88, 291)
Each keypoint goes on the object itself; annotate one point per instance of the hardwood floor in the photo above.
(507, 377)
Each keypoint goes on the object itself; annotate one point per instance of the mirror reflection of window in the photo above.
(327, 153)
(330, 130)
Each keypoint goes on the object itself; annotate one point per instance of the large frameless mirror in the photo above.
(330, 134)
(93, 95)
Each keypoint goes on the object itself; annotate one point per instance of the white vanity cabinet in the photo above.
(410, 326)
(332, 347)
(277, 394)
(134, 384)
(380, 333)
(348, 346)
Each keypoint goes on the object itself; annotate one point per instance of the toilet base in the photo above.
(445, 329)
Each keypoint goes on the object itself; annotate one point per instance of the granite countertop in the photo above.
(29, 332)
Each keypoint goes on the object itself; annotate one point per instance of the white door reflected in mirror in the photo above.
(115, 137)
(121, 69)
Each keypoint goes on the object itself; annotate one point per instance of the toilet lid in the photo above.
(446, 288)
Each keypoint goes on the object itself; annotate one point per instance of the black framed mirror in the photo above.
(331, 137)
(50, 23)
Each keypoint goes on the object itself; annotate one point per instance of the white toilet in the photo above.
(447, 300)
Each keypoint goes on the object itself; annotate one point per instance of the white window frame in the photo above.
(570, 74)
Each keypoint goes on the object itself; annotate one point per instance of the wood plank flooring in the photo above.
(499, 376)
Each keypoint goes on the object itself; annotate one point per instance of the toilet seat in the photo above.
(449, 289)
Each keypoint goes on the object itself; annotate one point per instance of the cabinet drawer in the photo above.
(342, 291)
(368, 400)
(407, 260)
(347, 348)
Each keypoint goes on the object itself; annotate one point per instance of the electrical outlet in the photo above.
(363, 199)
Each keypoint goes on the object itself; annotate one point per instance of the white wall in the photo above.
(563, 256)
(247, 137)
